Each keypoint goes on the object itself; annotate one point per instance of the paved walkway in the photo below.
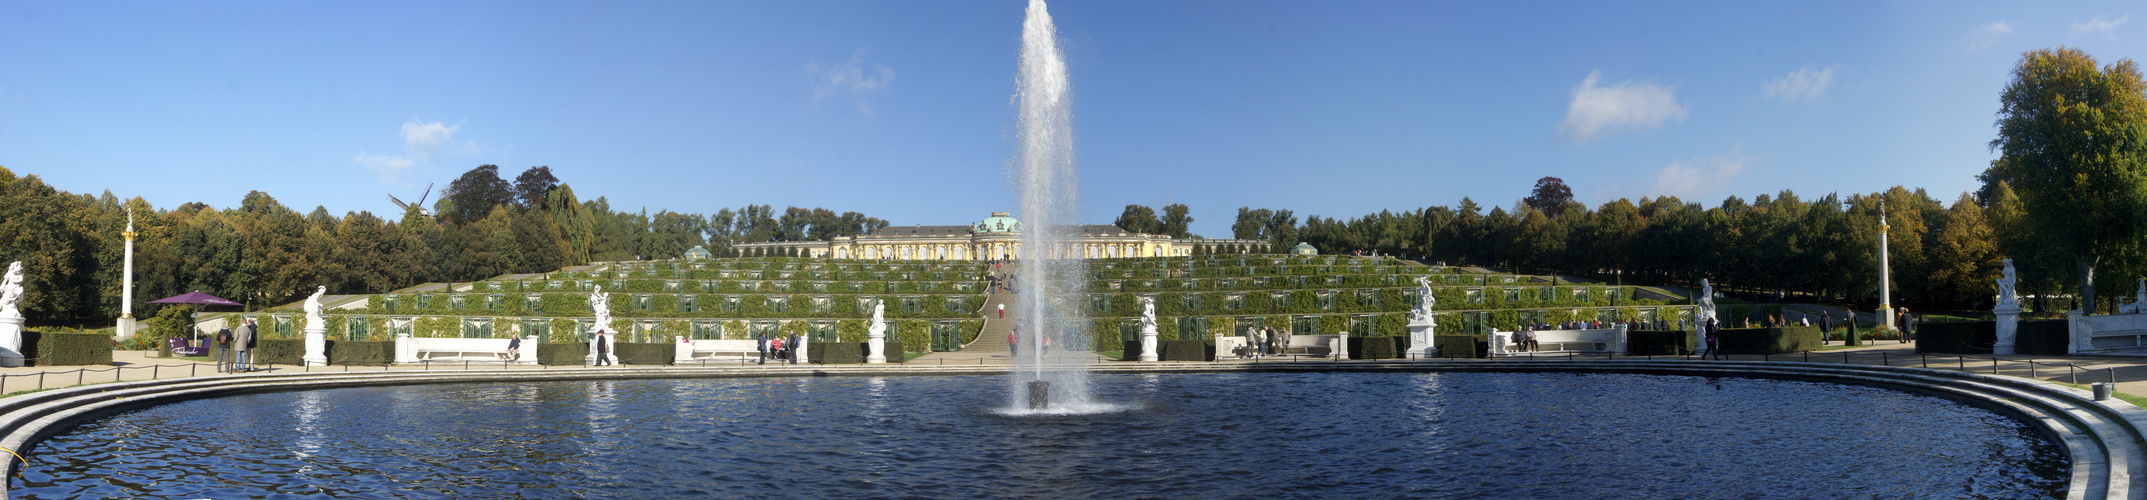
(2129, 372)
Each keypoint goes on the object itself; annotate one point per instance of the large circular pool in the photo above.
(1232, 435)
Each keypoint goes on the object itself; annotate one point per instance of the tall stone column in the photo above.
(125, 328)
(1886, 309)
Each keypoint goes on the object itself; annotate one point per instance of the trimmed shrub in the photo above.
(1658, 342)
(1966, 337)
(1185, 350)
(2042, 337)
(58, 349)
(279, 351)
(1460, 346)
(1377, 347)
(360, 352)
(643, 353)
(1769, 340)
(835, 353)
(1131, 352)
(563, 353)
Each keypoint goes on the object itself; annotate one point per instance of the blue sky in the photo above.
(902, 110)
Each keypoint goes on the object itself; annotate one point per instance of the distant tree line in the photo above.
(264, 253)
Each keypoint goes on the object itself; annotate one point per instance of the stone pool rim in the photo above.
(2103, 440)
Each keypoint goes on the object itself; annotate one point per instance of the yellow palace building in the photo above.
(995, 237)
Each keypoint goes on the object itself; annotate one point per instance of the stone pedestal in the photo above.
(2080, 335)
(11, 340)
(316, 345)
(1420, 342)
(1341, 347)
(405, 349)
(124, 329)
(876, 345)
(682, 351)
(2008, 329)
(1148, 344)
(802, 344)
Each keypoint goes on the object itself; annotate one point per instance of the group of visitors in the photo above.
(1264, 341)
(782, 350)
(235, 349)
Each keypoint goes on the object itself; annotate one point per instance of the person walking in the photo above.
(1908, 322)
(761, 344)
(603, 348)
(793, 343)
(1826, 327)
(514, 348)
(1713, 329)
(1002, 310)
(1013, 341)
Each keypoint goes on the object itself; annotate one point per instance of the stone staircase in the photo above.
(993, 339)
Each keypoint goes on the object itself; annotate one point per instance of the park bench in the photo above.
(420, 350)
(1591, 341)
(2106, 333)
(706, 349)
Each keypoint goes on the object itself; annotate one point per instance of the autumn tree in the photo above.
(2072, 142)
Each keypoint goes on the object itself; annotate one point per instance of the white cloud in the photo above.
(2098, 25)
(1598, 111)
(1982, 36)
(1699, 177)
(854, 77)
(421, 140)
(1802, 84)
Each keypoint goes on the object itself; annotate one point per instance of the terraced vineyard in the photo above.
(929, 305)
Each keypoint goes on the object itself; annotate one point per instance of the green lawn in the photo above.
(2135, 400)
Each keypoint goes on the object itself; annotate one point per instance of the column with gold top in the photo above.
(125, 328)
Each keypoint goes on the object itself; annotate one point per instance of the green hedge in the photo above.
(563, 353)
(1185, 350)
(1769, 340)
(1131, 351)
(350, 352)
(1658, 342)
(1460, 346)
(1377, 347)
(2042, 337)
(835, 353)
(642, 353)
(66, 349)
(1965, 337)
(279, 351)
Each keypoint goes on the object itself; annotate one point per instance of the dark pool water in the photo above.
(1246, 435)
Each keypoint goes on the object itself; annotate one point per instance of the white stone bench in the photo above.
(690, 351)
(1311, 345)
(420, 350)
(2106, 333)
(1593, 341)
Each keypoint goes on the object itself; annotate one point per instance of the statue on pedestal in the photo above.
(2006, 297)
(11, 291)
(316, 334)
(876, 334)
(1148, 330)
(1424, 301)
(11, 316)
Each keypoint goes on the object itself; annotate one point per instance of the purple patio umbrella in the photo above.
(196, 298)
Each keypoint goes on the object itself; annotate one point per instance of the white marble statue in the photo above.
(2139, 301)
(876, 334)
(879, 313)
(600, 303)
(2006, 297)
(1148, 312)
(11, 291)
(313, 308)
(1148, 330)
(1424, 301)
(1707, 301)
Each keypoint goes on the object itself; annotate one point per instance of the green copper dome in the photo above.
(999, 222)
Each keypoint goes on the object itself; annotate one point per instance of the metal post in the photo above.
(40, 381)
(1884, 359)
(2072, 372)
(1994, 365)
(2031, 369)
(2113, 376)
(1807, 356)
(1961, 362)
(1844, 357)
